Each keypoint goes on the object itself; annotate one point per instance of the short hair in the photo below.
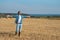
(19, 12)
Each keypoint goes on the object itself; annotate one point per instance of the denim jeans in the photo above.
(18, 28)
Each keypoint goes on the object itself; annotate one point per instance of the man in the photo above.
(19, 23)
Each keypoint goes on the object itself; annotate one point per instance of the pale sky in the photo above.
(30, 6)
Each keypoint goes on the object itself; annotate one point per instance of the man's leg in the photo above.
(17, 29)
(20, 29)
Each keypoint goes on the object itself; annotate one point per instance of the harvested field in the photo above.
(33, 29)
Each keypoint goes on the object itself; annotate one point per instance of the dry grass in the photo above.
(33, 29)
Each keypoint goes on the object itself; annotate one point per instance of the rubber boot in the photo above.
(19, 33)
(15, 33)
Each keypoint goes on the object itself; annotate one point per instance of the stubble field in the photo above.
(33, 29)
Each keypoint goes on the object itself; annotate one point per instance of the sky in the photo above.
(30, 6)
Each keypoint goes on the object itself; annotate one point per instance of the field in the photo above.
(33, 29)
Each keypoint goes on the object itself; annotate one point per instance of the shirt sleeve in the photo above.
(24, 16)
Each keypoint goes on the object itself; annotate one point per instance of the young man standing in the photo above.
(19, 23)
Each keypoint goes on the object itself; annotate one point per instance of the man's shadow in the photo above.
(7, 34)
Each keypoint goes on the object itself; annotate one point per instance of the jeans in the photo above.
(18, 28)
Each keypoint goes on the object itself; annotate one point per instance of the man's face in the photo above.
(19, 13)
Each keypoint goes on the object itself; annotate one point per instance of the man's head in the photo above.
(19, 13)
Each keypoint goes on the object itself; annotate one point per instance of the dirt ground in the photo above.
(33, 29)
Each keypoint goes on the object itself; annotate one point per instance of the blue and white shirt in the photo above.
(19, 19)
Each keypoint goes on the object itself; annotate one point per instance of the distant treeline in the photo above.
(45, 16)
(13, 16)
(5, 16)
